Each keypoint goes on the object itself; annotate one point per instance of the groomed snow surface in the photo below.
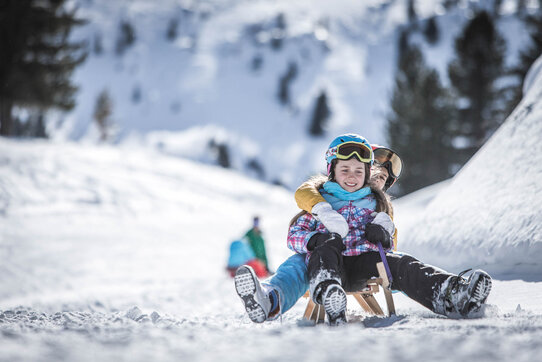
(111, 253)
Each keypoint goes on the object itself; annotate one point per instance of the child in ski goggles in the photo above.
(390, 160)
(348, 149)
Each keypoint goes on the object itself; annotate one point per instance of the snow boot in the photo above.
(466, 296)
(256, 300)
(334, 301)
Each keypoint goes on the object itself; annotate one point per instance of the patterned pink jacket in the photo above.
(356, 212)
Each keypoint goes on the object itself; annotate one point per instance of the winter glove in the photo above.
(319, 239)
(380, 230)
(332, 220)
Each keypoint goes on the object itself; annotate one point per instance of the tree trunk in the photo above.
(6, 121)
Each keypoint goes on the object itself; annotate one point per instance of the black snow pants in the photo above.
(420, 282)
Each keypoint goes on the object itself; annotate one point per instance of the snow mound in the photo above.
(490, 215)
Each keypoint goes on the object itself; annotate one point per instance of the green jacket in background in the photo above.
(257, 243)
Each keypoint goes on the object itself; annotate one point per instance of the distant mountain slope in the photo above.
(218, 76)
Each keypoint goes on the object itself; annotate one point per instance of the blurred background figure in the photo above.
(257, 242)
(241, 254)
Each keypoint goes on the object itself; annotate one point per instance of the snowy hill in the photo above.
(88, 201)
(490, 214)
(218, 78)
(118, 253)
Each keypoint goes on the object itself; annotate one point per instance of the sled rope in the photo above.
(385, 261)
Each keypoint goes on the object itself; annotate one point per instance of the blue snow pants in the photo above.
(290, 281)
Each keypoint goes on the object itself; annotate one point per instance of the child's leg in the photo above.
(440, 291)
(257, 300)
(325, 271)
(325, 267)
(415, 279)
(290, 281)
(423, 283)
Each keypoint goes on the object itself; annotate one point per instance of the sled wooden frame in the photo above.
(316, 313)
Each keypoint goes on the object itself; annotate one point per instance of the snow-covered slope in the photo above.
(95, 204)
(490, 215)
(118, 254)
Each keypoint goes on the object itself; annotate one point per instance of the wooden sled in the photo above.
(315, 312)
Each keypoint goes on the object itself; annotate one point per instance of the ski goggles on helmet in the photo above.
(389, 159)
(346, 150)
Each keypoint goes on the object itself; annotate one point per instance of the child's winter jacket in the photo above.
(307, 195)
(357, 214)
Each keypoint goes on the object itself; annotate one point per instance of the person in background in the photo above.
(257, 242)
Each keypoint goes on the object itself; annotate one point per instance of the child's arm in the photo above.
(309, 199)
(300, 232)
(381, 230)
(307, 195)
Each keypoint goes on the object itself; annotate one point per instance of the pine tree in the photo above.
(126, 37)
(98, 44)
(39, 130)
(411, 11)
(36, 58)
(449, 4)
(526, 58)
(473, 74)
(284, 83)
(320, 115)
(172, 29)
(431, 31)
(403, 43)
(521, 7)
(102, 115)
(222, 153)
(278, 32)
(420, 122)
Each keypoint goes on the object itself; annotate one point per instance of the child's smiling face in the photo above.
(350, 174)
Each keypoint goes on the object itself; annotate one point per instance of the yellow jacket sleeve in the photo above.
(307, 195)
(395, 232)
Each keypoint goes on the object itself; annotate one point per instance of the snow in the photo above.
(118, 253)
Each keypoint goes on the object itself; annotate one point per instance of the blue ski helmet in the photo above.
(331, 152)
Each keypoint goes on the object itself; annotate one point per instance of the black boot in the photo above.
(466, 296)
(332, 296)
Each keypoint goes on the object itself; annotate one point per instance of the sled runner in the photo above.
(315, 312)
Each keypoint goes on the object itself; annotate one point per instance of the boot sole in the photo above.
(480, 292)
(335, 306)
(245, 285)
